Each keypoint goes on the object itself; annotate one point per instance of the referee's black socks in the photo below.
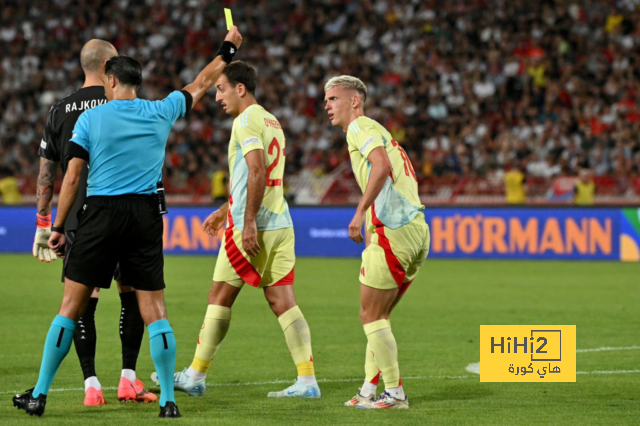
(131, 330)
(85, 339)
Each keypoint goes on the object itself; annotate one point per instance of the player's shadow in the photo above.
(453, 393)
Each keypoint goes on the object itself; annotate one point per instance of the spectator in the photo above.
(219, 186)
(9, 192)
(464, 85)
(584, 189)
(514, 186)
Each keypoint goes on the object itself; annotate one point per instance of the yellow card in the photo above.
(528, 353)
(227, 14)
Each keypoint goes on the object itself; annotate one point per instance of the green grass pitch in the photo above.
(436, 326)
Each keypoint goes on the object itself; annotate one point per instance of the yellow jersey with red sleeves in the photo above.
(254, 129)
(398, 202)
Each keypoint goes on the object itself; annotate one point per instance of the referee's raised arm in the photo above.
(208, 76)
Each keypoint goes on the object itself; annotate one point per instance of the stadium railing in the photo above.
(340, 188)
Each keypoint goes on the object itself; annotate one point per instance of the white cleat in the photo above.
(298, 390)
(360, 400)
(183, 383)
(385, 401)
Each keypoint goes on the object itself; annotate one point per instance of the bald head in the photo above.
(94, 54)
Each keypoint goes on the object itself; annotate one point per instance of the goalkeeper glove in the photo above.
(41, 248)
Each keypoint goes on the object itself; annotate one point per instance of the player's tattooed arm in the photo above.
(46, 180)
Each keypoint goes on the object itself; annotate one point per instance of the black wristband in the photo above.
(59, 229)
(227, 50)
(188, 100)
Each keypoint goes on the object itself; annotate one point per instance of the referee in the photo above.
(124, 143)
(58, 129)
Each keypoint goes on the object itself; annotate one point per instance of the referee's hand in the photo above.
(250, 239)
(234, 37)
(57, 242)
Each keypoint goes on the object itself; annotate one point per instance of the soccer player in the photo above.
(58, 129)
(258, 244)
(124, 143)
(399, 235)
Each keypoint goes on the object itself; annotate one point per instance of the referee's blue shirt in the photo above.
(126, 143)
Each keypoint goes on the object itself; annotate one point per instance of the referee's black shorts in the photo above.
(71, 237)
(124, 229)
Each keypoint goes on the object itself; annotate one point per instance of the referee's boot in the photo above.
(33, 406)
(170, 410)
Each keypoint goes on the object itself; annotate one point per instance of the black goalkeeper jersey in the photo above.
(58, 130)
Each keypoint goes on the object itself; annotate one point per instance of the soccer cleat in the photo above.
(297, 390)
(360, 400)
(183, 383)
(93, 397)
(387, 401)
(128, 391)
(33, 406)
(170, 410)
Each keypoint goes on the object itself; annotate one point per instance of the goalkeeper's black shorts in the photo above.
(71, 236)
(124, 230)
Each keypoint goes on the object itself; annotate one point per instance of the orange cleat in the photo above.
(93, 397)
(128, 391)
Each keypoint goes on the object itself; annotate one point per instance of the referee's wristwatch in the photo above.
(58, 229)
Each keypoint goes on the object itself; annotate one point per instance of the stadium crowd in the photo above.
(469, 88)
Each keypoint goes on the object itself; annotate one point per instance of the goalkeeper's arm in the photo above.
(208, 76)
(46, 179)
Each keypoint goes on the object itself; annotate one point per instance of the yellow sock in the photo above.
(385, 351)
(298, 336)
(214, 328)
(371, 372)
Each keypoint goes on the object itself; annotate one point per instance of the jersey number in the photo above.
(408, 167)
(274, 145)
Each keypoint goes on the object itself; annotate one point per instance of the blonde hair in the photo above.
(348, 82)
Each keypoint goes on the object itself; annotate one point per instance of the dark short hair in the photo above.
(241, 72)
(126, 69)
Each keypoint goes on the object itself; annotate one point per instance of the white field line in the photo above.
(271, 382)
(608, 348)
(474, 368)
(609, 372)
